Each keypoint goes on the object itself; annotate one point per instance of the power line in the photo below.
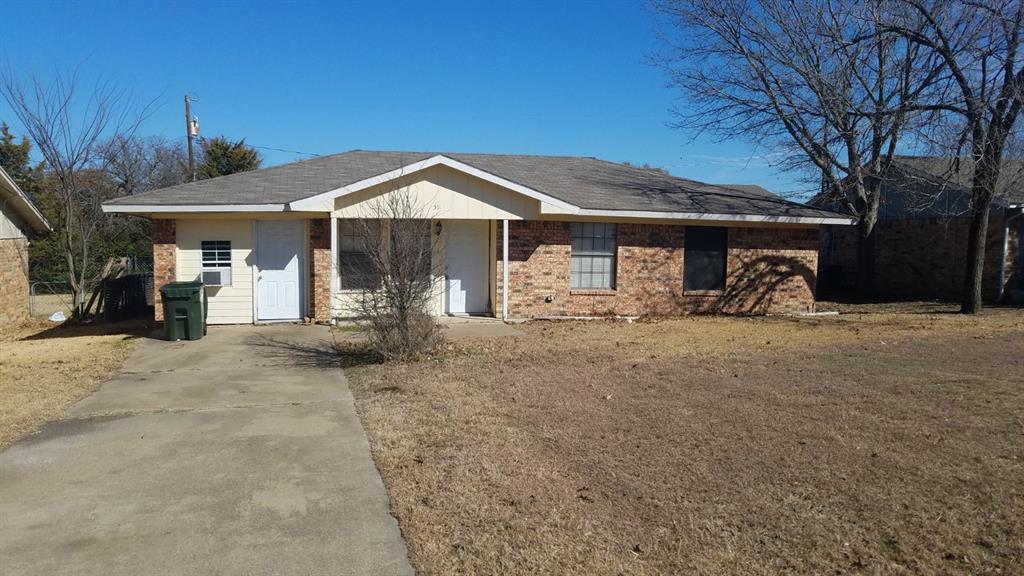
(282, 150)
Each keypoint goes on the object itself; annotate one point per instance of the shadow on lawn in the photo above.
(137, 328)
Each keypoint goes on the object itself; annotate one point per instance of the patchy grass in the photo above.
(874, 442)
(45, 369)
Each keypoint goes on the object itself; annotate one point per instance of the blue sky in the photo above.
(526, 77)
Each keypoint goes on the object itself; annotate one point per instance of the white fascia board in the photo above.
(41, 223)
(745, 218)
(186, 208)
(325, 200)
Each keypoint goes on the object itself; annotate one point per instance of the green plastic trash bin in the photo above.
(184, 310)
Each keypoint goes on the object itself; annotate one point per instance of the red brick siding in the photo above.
(165, 238)
(14, 284)
(769, 271)
(923, 258)
(320, 269)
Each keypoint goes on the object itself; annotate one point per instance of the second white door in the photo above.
(466, 266)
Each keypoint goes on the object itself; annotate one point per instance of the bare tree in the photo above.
(387, 258)
(978, 42)
(68, 129)
(139, 164)
(786, 74)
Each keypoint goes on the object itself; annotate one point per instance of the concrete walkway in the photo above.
(237, 454)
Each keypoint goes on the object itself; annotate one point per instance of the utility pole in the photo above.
(189, 131)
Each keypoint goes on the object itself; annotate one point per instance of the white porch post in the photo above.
(334, 267)
(504, 270)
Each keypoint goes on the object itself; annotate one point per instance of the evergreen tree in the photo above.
(15, 158)
(222, 157)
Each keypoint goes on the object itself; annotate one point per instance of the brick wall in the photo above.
(165, 237)
(769, 271)
(14, 285)
(925, 258)
(320, 269)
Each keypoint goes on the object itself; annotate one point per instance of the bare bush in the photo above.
(386, 257)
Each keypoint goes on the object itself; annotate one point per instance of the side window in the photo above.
(704, 258)
(216, 253)
(593, 256)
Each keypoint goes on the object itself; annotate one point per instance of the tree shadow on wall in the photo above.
(753, 285)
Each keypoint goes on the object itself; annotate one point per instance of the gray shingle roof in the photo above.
(917, 187)
(582, 181)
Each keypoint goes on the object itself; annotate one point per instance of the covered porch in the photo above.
(466, 260)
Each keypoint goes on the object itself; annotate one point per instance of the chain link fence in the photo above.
(47, 298)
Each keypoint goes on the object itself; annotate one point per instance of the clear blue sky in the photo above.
(532, 78)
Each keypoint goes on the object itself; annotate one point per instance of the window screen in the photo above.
(593, 255)
(216, 253)
(356, 269)
(704, 258)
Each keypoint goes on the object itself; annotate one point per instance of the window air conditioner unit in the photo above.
(216, 276)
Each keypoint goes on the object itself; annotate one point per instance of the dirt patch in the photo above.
(45, 369)
(875, 442)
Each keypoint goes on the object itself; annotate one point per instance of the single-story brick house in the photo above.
(20, 221)
(920, 244)
(512, 237)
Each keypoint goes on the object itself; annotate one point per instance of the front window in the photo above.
(704, 258)
(410, 249)
(593, 256)
(358, 241)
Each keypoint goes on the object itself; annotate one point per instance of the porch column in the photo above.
(504, 270)
(320, 269)
(334, 267)
(165, 242)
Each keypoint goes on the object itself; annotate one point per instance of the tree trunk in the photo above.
(865, 286)
(974, 271)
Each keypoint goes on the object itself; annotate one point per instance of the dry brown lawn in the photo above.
(865, 443)
(45, 369)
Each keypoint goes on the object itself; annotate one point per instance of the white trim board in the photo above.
(189, 208)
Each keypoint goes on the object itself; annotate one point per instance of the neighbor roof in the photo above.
(19, 208)
(583, 182)
(918, 187)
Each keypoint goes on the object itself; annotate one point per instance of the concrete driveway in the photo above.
(237, 454)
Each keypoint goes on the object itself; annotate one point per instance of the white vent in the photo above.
(217, 276)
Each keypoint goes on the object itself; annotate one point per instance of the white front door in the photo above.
(466, 266)
(279, 281)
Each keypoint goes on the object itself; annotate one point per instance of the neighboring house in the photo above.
(920, 244)
(512, 236)
(20, 221)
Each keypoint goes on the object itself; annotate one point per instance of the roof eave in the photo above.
(191, 208)
(28, 211)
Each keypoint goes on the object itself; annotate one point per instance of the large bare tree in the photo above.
(787, 74)
(979, 43)
(69, 127)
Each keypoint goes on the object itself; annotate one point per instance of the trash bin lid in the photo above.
(181, 289)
